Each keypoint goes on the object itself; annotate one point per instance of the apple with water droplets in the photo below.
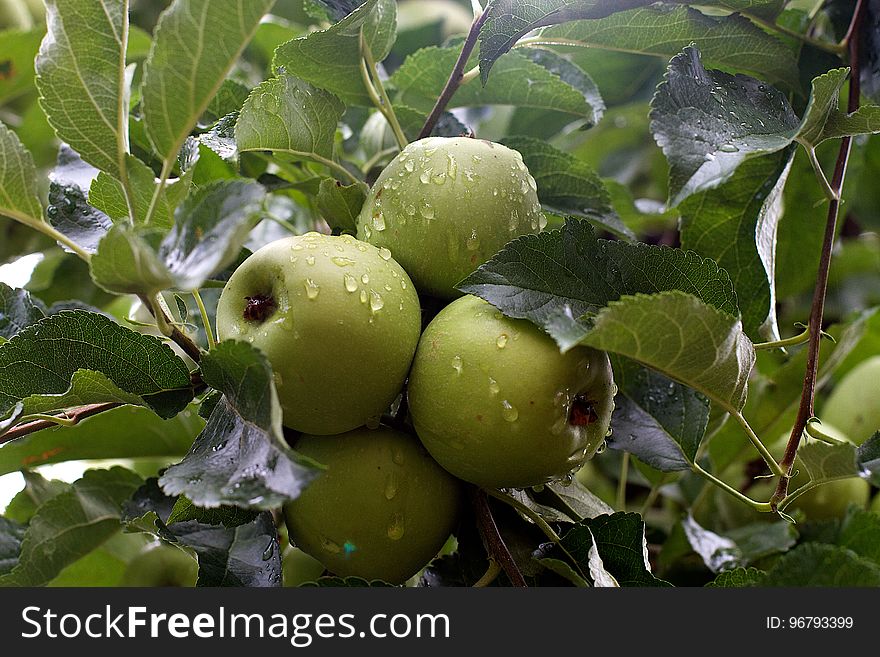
(382, 509)
(445, 205)
(497, 404)
(326, 311)
(161, 565)
(854, 404)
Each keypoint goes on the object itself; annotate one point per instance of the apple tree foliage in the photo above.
(683, 153)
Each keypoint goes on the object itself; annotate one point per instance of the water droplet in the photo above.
(363, 296)
(341, 261)
(427, 211)
(508, 411)
(379, 222)
(396, 527)
(351, 283)
(219, 446)
(310, 260)
(376, 301)
(409, 165)
(330, 546)
(312, 288)
(501, 342)
(494, 388)
(397, 456)
(456, 364)
(729, 148)
(384, 253)
(390, 486)
(542, 221)
(270, 549)
(425, 176)
(473, 242)
(402, 284)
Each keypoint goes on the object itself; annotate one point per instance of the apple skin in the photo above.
(496, 404)
(445, 205)
(830, 500)
(381, 510)
(854, 404)
(341, 333)
(297, 567)
(161, 565)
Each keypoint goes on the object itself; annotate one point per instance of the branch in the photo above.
(455, 77)
(189, 347)
(808, 392)
(495, 545)
(74, 417)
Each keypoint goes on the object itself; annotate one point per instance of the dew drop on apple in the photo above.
(494, 388)
(396, 527)
(363, 296)
(330, 545)
(385, 254)
(508, 411)
(425, 176)
(312, 289)
(397, 456)
(351, 284)
(376, 301)
(456, 364)
(310, 260)
(501, 341)
(473, 242)
(427, 211)
(390, 486)
(342, 261)
(409, 165)
(379, 222)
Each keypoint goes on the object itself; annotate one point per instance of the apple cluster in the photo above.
(491, 401)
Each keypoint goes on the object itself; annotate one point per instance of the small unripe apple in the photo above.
(161, 565)
(830, 500)
(497, 404)
(381, 510)
(338, 320)
(445, 205)
(854, 404)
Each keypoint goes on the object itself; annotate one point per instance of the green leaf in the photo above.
(229, 98)
(869, 458)
(70, 213)
(736, 225)
(11, 536)
(18, 50)
(823, 462)
(824, 119)
(331, 58)
(340, 204)
(104, 566)
(18, 310)
(72, 524)
(18, 180)
(682, 337)
(196, 42)
(517, 81)
(728, 42)
(346, 582)
(245, 555)
(860, 533)
(557, 276)
(241, 457)
(37, 491)
(566, 185)
(228, 516)
(126, 262)
(738, 578)
(709, 122)
(620, 541)
(289, 115)
(509, 20)
(817, 564)
(50, 357)
(124, 432)
(107, 195)
(82, 82)
(741, 546)
(656, 419)
(209, 230)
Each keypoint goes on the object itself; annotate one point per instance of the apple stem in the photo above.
(455, 78)
(808, 392)
(492, 538)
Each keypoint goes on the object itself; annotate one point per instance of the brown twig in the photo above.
(454, 80)
(808, 393)
(177, 336)
(71, 418)
(494, 542)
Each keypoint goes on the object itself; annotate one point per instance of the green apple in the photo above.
(830, 500)
(875, 504)
(854, 404)
(338, 320)
(445, 205)
(161, 565)
(14, 14)
(297, 567)
(381, 510)
(452, 17)
(497, 404)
